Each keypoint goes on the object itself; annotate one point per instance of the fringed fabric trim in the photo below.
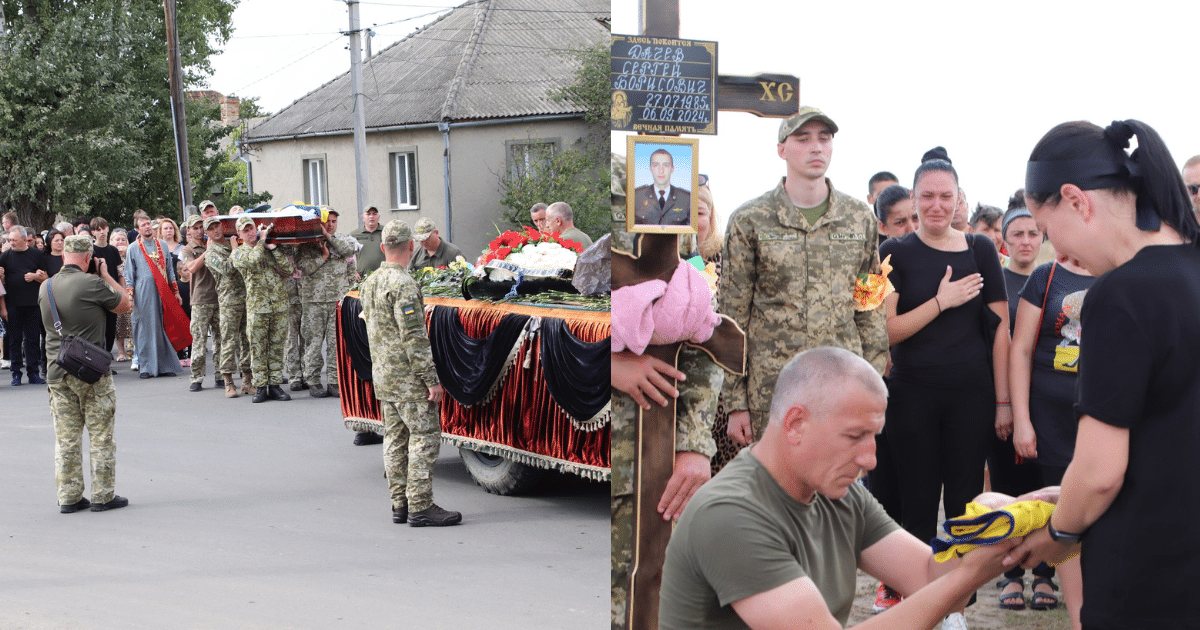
(595, 473)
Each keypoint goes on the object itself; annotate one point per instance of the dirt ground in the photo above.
(983, 615)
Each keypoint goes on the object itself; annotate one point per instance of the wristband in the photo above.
(1003, 404)
(1062, 537)
(939, 304)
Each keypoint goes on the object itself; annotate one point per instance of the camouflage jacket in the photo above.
(324, 279)
(402, 363)
(790, 285)
(231, 289)
(263, 270)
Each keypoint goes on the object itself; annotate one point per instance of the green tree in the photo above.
(578, 174)
(85, 114)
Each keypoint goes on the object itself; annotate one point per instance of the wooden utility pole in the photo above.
(360, 115)
(178, 117)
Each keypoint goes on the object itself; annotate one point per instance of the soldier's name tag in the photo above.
(847, 236)
(779, 236)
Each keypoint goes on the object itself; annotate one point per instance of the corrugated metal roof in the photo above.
(485, 59)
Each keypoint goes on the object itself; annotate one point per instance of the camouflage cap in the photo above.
(210, 221)
(791, 125)
(77, 244)
(206, 203)
(423, 229)
(242, 221)
(370, 209)
(192, 220)
(396, 232)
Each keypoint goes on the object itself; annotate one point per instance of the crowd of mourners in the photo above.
(989, 386)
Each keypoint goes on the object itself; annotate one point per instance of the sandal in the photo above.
(1014, 600)
(1042, 600)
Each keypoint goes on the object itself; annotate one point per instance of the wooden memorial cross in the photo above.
(655, 257)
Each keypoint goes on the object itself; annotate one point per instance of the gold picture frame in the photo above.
(674, 209)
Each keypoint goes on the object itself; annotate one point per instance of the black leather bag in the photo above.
(78, 356)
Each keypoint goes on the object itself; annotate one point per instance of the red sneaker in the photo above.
(885, 598)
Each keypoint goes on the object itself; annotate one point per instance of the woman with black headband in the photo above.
(1130, 491)
(948, 386)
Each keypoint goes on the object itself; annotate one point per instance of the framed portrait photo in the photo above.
(661, 173)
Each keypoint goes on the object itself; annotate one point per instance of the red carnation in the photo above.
(503, 253)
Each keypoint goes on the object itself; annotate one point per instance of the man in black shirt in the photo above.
(24, 271)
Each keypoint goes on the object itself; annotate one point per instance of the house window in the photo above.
(402, 171)
(315, 189)
(527, 157)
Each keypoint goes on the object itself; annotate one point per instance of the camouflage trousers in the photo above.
(294, 351)
(74, 406)
(624, 419)
(205, 318)
(235, 347)
(268, 335)
(412, 436)
(319, 327)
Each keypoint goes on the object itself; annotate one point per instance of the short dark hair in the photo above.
(98, 223)
(987, 214)
(664, 152)
(77, 221)
(881, 176)
(889, 197)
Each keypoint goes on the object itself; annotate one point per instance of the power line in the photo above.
(313, 52)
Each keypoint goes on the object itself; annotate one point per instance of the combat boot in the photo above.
(334, 391)
(230, 388)
(297, 385)
(316, 391)
(260, 395)
(434, 516)
(275, 392)
(247, 382)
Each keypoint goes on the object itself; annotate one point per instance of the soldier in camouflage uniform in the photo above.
(788, 268)
(293, 351)
(263, 266)
(81, 300)
(695, 410)
(323, 283)
(206, 314)
(405, 380)
(231, 301)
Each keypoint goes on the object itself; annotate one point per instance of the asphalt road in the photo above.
(266, 516)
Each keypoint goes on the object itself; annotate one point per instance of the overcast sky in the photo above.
(283, 49)
(985, 80)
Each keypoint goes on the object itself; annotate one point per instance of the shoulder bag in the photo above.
(78, 356)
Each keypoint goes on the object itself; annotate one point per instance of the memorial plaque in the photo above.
(664, 86)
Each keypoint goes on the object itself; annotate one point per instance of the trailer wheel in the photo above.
(500, 475)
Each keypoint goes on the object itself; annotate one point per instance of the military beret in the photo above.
(791, 125)
(396, 232)
(77, 244)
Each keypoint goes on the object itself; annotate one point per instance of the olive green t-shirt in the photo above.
(82, 300)
(814, 214)
(742, 535)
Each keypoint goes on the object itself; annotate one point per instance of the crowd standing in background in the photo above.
(990, 387)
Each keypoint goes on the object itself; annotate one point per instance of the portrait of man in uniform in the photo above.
(661, 199)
